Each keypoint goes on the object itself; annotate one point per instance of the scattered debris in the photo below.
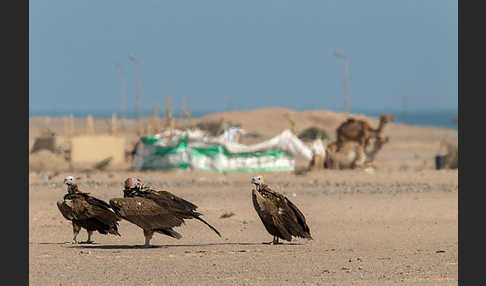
(103, 163)
(227, 215)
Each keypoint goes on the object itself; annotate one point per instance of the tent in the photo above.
(193, 150)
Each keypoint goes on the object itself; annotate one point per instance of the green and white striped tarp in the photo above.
(158, 154)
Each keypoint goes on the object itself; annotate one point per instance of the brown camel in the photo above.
(351, 154)
(360, 131)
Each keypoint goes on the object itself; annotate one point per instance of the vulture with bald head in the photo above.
(86, 211)
(154, 211)
(279, 215)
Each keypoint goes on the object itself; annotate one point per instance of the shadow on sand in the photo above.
(94, 246)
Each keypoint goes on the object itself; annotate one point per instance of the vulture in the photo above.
(154, 211)
(88, 212)
(279, 215)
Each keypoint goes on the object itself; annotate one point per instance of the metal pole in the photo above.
(138, 91)
(346, 94)
(122, 92)
(137, 65)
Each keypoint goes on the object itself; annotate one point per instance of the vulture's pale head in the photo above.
(69, 180)
(131, 184)
(257, 181)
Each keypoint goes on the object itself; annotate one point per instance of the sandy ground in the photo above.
(368, 229)
(397, 225)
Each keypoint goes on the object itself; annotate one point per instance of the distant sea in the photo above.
(439, 118)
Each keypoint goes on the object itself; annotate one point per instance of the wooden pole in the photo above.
(90, 125)
(71, 125)
(404, 109)
(155, 117)
(290, 118)
(65, 120)
(113, 124)
(187, 112)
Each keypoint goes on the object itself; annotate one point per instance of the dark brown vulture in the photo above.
(279, 215)
(154, 211)
(88, 212)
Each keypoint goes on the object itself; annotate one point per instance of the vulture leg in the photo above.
(148, 236)
(275, 240)
(76, 229)
(89, 237)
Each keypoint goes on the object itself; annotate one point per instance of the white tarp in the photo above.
(286, 141)
(194, 149)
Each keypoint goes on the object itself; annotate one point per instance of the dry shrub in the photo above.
(216, 128)
(313, 133)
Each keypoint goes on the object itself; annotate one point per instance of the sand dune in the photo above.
(397, 225)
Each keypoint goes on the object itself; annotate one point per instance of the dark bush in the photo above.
(215, 128)
(313, 133)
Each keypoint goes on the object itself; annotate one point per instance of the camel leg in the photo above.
(366, 144)
(148, 236)
(360, 159)
(365, 141)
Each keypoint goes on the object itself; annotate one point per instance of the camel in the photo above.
(360, 131)
(351, 154)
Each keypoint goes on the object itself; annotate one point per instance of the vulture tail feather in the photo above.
(170, 232)
(210, 226)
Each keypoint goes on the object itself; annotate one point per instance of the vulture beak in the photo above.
(256, 181)
(68, 180)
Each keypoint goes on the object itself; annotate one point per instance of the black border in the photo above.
(470, 84)
(15, 131)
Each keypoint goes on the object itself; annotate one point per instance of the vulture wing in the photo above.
(287, 218)
(145, 213)
(65, 209)
(303, 230)
(96, 202)
(89, 213)
(86, 208)
(171, 202)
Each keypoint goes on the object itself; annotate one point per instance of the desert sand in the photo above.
(395, 225)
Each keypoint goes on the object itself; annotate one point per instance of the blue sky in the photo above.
(243, 54)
